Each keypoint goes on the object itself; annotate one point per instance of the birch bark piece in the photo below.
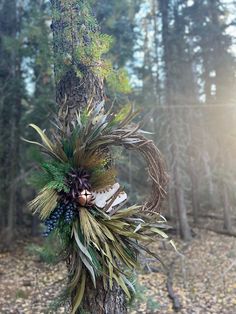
(103, 197)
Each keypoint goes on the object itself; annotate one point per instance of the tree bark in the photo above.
(73, 90)
(73, 93)
(102, 301)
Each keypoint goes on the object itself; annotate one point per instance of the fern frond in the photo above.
(56, 173)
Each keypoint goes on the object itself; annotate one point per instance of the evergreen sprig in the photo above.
(52, 176)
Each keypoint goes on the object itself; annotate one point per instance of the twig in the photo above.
(169, 285)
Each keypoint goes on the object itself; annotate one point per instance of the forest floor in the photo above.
(204, 280)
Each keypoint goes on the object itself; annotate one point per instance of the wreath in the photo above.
(82, 204)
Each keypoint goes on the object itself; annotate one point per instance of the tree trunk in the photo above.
(192, 157)
(102, 301)
(227, 208)
(194, 190)
(174, 127)
(10, 115)
(75, 91)
(207, 158)
(225, 192)
(184, 228)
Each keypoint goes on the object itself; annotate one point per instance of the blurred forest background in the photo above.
(175, 60)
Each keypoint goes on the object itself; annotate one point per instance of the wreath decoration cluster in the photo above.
(81, 202)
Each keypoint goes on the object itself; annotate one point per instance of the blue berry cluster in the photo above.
(52, 221)
(70, 212)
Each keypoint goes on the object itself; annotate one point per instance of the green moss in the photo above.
(91, 54)
(87, 51)
(118, 81)
(104, 70)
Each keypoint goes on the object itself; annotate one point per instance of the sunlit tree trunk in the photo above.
(170, 99)
(194, 190)
(179, 192)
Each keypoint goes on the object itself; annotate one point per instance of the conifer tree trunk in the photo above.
(10, 115)
(78, 87)
(171, 101)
